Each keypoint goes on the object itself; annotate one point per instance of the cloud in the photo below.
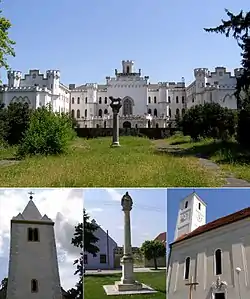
(63, 206)
(115, 195)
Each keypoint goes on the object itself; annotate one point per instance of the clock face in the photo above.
(199, 217)
(184, 217)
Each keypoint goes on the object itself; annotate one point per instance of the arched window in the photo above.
(36, 234)
(127, 107)
(149, 100)
(30, 234)
(100, 100)
(85, 113)
(86, 100)
(177, 111)
(34, 286)
(155, 100)
(169, 112)
(187, 268)
(183, 111)
(218, 262)
(100, 112)
(157, 125)
(78, 113)
(155, 112)
(169, 99)
(105, 124)
(73, 101)
(73, 113)
(183, 99)
(177, 100)
(78, 100)
(105, 100)
(97, 126)
(186, 204)
(149, 124)
(149, 111)
(128, 70)
(105, 111)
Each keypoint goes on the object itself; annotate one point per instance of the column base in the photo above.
(121, 287)
(115, 144)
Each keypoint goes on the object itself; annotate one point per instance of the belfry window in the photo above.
(34, 286)
(186, 204)
(187, 268)
(33, 234)
(218, 262)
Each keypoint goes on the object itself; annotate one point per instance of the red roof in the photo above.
(245, 213)
(162, 237)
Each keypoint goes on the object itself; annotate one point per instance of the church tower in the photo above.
(33, 266)
(192, 214)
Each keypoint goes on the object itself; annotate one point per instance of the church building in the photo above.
(33, 265)
(209, 260)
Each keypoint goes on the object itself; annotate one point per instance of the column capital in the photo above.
(126, 202)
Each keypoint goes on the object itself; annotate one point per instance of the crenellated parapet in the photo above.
(55, 74)
(201, 72)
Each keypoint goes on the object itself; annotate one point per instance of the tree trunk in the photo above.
(155, 263)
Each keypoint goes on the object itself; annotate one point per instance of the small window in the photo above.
(103, 259)
(34, 286)
(128, 70)
(187, 268)
(33, 234)
(100, 112)
(105, 124)
(78, 100)
(85, 259)
(86, 100)
(73, 113)
(155, 112)
(155, 100)
(36, 234)
(169, 99)
(199, 206)
(97, 126)
(85, 113)
(105, 100)
(73, 101)
(149, 111)
(192, 100)
(78, 115)
(30, 234)
(177, 112)
(177, 100)
(100, 100)
(34, 76)
(183, 111)
(105, 111)
(169, 112)
(183, 99)
(149, 100)
(157, 126)
(218, 262)
(186, 204)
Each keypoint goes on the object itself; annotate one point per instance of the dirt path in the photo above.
(230, 179)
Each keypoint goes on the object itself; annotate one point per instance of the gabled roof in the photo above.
(240, 215)
(31, 212)
(162, 237)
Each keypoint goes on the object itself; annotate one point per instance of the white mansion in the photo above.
(144, 104)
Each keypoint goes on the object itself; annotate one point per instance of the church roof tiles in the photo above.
(242, 214)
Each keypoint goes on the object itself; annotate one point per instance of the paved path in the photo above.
(105, 272)
(8, 162)
(230, 179)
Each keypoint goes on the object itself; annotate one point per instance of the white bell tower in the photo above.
(33, 266)
(192, 214)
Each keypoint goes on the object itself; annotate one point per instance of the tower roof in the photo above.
(192, 195)
(31, 212)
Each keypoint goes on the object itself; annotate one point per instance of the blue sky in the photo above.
(148, 216)
(220, 202)
(63, 206)
(87, 39)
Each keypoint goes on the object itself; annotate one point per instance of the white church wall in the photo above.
(233, 240)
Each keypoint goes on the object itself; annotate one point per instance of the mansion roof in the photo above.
(240, 215)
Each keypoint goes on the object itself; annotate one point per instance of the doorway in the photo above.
(127, 124)
(219, 296)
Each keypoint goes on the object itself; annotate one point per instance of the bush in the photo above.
(49, 133)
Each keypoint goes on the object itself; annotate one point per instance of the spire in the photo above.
(31, 212)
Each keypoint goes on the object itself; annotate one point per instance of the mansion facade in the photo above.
(144, 104)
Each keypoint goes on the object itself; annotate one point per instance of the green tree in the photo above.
(18, 120)
(153, 250)
(3, 288)
(89, 237)
(49, 133)
(6, 44)
(3, 124)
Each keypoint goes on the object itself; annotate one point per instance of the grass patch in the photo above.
(92, 163)
(93, 285)
(229, 155)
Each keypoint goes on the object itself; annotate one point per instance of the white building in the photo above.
(37, 90)
(215, 255)
(145, 104)
(105, 258)
(33, 266)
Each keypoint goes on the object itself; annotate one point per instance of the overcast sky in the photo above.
(148, 216)
(63, 206)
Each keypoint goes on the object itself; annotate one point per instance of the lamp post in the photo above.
(115, 106)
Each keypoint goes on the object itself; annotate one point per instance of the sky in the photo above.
(220, 202)
(63, 206)
(87, 40)
(148, 215)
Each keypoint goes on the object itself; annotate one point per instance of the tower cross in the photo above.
(191, 286)
(30, 194)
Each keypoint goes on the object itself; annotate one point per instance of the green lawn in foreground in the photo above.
(92, 163)
(229, 155)
(93, 285)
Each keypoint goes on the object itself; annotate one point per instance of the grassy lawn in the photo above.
(230, 157)
(92, 163)
(93, 285)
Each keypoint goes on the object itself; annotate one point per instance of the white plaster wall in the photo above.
(102, 244)
(233, 240)
(20, 95)
(33, 260)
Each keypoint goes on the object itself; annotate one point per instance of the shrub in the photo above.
(49, 133)
(243, 136)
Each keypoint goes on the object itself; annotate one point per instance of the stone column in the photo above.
(115, 105)
(127, 259)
